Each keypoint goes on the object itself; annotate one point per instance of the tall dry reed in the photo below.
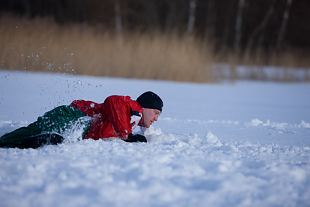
(42, 45)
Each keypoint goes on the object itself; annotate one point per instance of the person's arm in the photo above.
(90, 108)
(118, 112)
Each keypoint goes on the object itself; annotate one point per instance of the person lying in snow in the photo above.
(115, 117)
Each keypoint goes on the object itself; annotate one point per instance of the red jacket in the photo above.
(112, 118)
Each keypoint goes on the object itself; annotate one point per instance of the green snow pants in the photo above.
(47, 129)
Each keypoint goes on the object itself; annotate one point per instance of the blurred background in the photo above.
(180, 40)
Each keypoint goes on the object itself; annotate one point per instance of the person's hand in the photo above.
(135, 138)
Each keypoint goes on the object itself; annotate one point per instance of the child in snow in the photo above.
(115, 117)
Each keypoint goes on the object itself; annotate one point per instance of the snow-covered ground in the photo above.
(226, 144)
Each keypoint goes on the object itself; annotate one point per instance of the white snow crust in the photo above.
(225, 144)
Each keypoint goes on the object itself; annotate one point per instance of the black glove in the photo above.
(135, 138)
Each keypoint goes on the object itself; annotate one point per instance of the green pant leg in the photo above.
(18, 136)
(54, 121)
(58, 119)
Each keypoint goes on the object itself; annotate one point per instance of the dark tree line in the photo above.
(235, 24)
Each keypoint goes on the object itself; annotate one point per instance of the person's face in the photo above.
(149, 116)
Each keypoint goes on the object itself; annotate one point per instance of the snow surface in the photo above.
(242, 72)
(228, 144)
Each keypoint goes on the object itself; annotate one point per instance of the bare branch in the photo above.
(261, 26)
(286, 15)
(238, 26)
(118, 17)
(192, 16)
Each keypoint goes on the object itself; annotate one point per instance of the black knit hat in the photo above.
(150, 100)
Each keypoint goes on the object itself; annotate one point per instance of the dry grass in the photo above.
(41, 45)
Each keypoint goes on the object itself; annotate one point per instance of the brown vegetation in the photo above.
(42, 45)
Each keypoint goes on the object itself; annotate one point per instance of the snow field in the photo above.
(168, 171)
(229, 144)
